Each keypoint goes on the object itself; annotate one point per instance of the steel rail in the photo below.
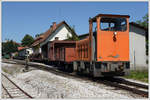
(109, 83)
(98, 80)
(7, 91)
(117, 85)
(120, 80)
(17, 87)
(132, 89)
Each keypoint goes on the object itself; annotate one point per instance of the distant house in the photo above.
(59, 31)
(14, 54)
(22, 51)
(5, 52)
(137, 46)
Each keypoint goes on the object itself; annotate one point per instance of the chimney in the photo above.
(54, 25)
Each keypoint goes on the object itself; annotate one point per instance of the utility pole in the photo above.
(27, 60)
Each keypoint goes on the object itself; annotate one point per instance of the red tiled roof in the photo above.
(44, 36)
(37, 40)
(21, 48)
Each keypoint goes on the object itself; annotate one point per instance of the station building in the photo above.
(59, 31)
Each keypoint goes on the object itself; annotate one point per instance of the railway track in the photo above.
(118, 83)
(12, 90)
(133, 87)
(138, 85)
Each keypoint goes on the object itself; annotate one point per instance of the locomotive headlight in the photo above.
(115, 33)
(114, 37)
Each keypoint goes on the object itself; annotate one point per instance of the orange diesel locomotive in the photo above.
(105, 52)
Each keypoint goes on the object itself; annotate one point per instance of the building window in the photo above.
(56, 38)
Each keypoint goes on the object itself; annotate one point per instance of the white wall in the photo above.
(30, 50)
(137, 49)
(36, 50)
(23, 52)
(61, 33)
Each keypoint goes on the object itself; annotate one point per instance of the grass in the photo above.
(11, 70)
(6, 71)
(139, 75)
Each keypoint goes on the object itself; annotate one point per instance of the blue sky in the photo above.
(20, 18)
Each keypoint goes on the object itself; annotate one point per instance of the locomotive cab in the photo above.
(105, 52)
(110, 44)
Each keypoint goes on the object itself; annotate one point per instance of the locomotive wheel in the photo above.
(70, 68)
(78, 71)
(91, 74)
(66, 68)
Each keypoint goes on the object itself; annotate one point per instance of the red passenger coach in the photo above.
(62, 54)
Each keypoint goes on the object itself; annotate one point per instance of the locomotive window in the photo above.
(113, 24)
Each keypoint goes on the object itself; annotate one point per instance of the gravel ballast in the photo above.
(43, 84)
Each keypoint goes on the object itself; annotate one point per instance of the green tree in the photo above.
(27, 40)
(9, 47)
(37, 35)
(144, 21)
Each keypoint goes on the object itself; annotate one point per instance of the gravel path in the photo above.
(42, 84)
